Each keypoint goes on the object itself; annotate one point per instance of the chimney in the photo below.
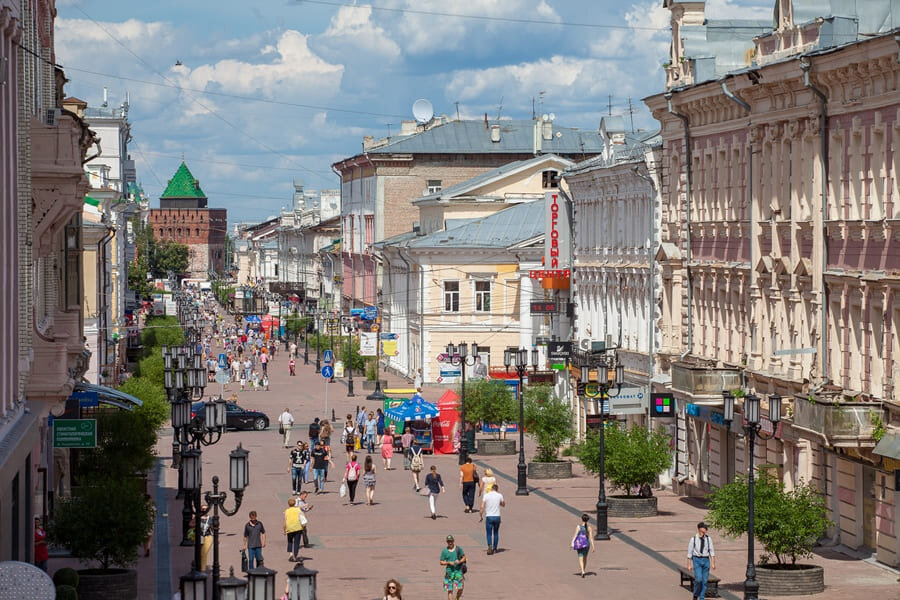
(485, 121)
(495, 133)
(368, 141)
(105, 98)
(536, 136)
(407, 127)
(547, 130)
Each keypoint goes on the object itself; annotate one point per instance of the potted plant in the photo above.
(548, 420)
(491, 401)
(635, 457)
(787, 524)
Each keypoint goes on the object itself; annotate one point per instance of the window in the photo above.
(549, 179)
(451, 296)
(433, 187)
(370, 229)
(483, 296)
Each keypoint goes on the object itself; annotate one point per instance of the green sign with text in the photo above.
(74, 433)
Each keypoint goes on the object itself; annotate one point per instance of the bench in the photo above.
(712, 582)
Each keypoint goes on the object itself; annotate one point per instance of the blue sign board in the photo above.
(371, 313)
(222, 362)
(86, 399)
(357, 312)
(328, 357)
(327, 371)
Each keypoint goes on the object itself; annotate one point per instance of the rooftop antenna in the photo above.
(609, 104)
(105, 97)
(631, 114)
(457, 110)
(423, 111)
(500, 108)
(541, 102)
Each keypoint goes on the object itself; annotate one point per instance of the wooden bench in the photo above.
(712, 582)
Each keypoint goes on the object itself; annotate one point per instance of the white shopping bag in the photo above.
(343, 490)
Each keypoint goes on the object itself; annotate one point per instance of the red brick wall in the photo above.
(193, 227)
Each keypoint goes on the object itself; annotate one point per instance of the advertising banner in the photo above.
(389, 344)
(368, 343)
(447, 426)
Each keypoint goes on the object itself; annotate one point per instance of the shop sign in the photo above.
(557, 253)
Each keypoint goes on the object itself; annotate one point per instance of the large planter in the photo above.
(107, 584)
(489, 447)
(790, 580)
(561, 469)
(369, 384)
(632, 507)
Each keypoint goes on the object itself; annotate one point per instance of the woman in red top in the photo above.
(41, 554)
(351, 477)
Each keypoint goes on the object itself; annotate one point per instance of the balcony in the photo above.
(704, 385)
(842, 424)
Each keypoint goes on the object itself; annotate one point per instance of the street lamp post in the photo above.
(459, 356)
(349, 359)
(518, 357)
(306, 340)
(751, 428)
(613, 375)
(239, 478)
(318, 344)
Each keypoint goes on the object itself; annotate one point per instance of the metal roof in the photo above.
(487, 176)
(516, 137)
(508, 227)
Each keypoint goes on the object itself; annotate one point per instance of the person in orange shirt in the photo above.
(467, 483)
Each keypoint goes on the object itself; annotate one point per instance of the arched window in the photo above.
(197, 232)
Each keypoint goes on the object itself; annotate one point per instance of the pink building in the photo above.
(42, 188)
(780, 272)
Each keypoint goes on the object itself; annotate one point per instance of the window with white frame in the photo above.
(483, 296)
(451, 296)
(433, 186)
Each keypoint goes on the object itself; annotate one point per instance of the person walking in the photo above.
(293, 349)
(387, 448)
(351, 477)
(254, 541)
(264, 361)
(453, 559)
(361, 422)
(299, 458)
(371, 426)
(392, 590)
(305, 507)
(285, 422)
(379, 418)
(42, 553)
(292, 367)
(325, 431)
(701, 558)
(348, 436)
(314, 432)
(369, 480)
(416, 464)
(406, 442)
(583, 541)
(490, 511)
(467, 484)
(292, 528)
(320, 462)
(435, 486)
(488, 481)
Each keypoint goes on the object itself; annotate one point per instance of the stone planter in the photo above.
(369, 384)
(488, 447)
(555, 470)
(109, 584)
(790, 580)
(631, 508)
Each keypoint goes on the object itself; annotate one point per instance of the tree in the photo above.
(125, 442)
(491, 401)
(159, 331)
(548, 419)
(633, 457)
(106, 520)
(349, 353)
(155, 408)
(787, 523)
(140, 266)
(169, 257)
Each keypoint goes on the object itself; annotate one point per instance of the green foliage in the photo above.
(106, 520)
(878, 427)
(349, 353)
(159, 331)
(66, 592)
(168, 256)
(491, 401)
(138, 269)
(295, 324)
(66, 576)
(125, 443)
(786, 523)
(370, 369)
(222, 292)
(153, 394)
(548, 419)
(633, 457)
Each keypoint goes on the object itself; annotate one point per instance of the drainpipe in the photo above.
(728, 94)
(651, 287)
(408, 339)
(823, 165)
(687, 218)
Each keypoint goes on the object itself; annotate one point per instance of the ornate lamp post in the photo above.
(239, 479)
(318, 316)
(518, 357)
(262, 583)
(350, 328)
(306, 340)
(751, 428)
(609, 375)
(232, 588)
(459, 356)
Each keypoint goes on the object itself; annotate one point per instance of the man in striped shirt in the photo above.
(701, 557)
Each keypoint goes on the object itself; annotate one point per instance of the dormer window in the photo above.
(550, 180)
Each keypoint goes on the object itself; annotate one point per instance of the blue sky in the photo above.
(276, 90)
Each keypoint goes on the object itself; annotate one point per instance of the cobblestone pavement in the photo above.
(356, 548)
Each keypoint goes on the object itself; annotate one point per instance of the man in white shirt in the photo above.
(490, 512)
(285, 421)
(701, 555)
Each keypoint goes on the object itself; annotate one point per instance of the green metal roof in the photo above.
(91, 201)
(183, 185)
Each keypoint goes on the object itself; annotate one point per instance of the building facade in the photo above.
(777, 262)
(183, 217)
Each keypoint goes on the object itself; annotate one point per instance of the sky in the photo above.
(256, 95)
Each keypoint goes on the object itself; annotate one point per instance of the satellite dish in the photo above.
(552, 116)
(545, 117)
(423, 111)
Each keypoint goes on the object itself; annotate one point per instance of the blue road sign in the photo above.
(371, 313)
(222, 362)
(328, 357)
(327, 371)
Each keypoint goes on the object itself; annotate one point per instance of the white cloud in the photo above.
(352, 29)
(731, 9)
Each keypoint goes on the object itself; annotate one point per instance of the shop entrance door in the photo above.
(868, 506)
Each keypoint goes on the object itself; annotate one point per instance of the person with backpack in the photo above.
(454, 560)
(351, 477)
(416, 463)
(582, 541)
(314, 432)
(348, 436)
(701, 557)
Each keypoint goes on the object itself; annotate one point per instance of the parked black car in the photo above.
(236, 417)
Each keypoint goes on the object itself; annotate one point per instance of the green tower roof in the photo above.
(183, 185)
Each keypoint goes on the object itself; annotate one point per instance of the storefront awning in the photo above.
(888, 446)
(109, 395)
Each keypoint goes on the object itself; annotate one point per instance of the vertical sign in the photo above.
(557, 248)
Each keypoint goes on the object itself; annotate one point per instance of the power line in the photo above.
(483, 17)
(195, 159)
